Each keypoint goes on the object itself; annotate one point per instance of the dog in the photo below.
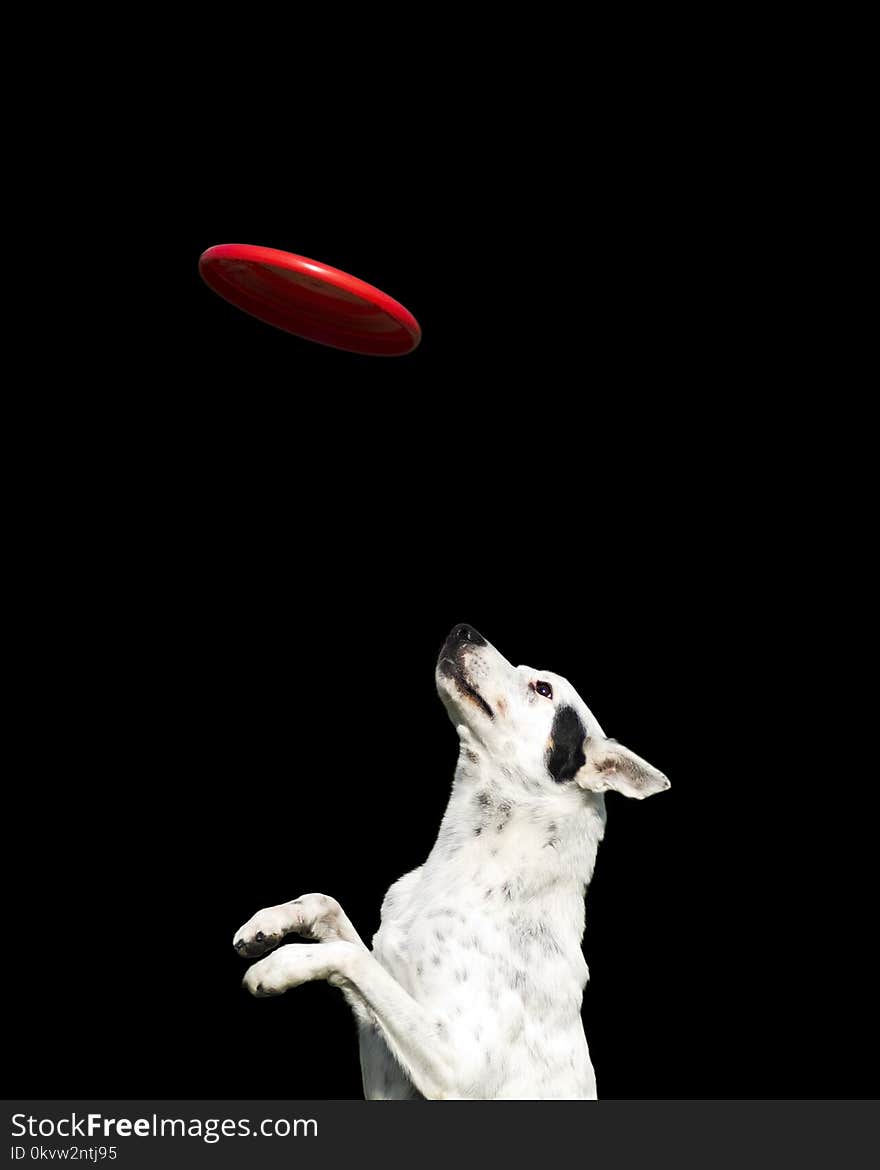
(474, 985)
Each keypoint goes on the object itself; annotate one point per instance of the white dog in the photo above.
(473, 988)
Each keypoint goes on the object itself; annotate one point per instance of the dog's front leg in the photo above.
(315, 916)
(418, 1038)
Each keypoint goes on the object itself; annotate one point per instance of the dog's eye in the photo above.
(544, 689)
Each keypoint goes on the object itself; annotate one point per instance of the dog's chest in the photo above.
(505, 973)
(438, 941)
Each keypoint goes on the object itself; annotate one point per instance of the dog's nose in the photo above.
(464, 633)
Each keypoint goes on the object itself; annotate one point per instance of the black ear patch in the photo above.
(565, 755)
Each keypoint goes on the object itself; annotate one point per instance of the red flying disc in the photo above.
(310, 299)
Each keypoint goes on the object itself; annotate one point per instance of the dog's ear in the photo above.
(611, 766)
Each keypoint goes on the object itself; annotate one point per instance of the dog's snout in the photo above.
(465, 633)
(460, 639)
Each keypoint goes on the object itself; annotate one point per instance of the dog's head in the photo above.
(533, 722)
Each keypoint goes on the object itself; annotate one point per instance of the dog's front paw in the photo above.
(262, 932)
(295, 964)
(267, 977)
(313, 915)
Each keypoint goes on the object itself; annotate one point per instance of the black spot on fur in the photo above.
(566, 755)
(504, 817)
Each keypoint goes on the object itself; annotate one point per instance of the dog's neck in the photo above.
(502, 832)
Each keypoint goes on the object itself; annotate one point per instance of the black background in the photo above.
(243, 552)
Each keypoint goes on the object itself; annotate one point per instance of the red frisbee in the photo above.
(310, 299)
